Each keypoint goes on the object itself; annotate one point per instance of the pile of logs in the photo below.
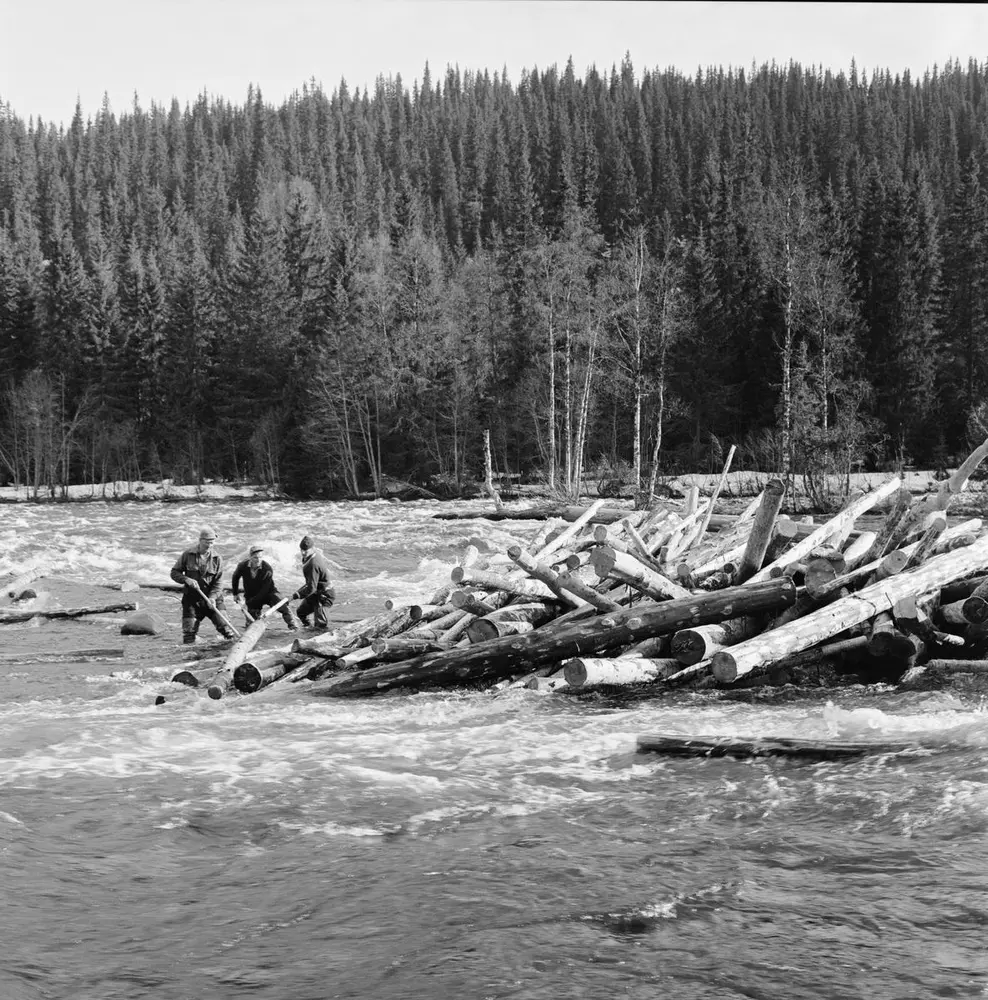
(665, 599)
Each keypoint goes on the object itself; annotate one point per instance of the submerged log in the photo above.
(741, 748)
(62, 656)
(18, 589)
(11, 617)
(618, 671)
(847, 612)
(490, 661)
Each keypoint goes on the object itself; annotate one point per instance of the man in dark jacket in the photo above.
(199, 570)
(259, 588)
(317, 592)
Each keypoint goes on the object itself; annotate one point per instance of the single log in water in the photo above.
(63, 656)
(744, 748)
(845, 613)
(617, 671)
(19, 588)
(11, 617)
(490, 661)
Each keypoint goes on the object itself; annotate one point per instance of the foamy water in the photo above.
(448, 843)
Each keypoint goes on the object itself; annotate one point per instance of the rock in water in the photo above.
(143, 623)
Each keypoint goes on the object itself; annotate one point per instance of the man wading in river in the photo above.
(199, 570)
(317, 592)
(260, 591)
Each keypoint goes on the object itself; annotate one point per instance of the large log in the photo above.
(818, 626)
(12, 617)
(587, 671)
(835, 526)
(513, 583)
(544, 574)
(490, 661)
(758, 746)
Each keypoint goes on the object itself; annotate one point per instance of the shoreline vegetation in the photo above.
(736, 487)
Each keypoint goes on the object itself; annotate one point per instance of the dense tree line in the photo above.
(614, 272)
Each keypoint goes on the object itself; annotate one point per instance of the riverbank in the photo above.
(737, 485)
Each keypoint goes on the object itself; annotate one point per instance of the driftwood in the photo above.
(741, 748)
(11, 617)
(498, 658)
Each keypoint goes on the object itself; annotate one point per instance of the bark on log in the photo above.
(741, 748)
(784, 536)
(835, 526)
(609, 563)
(513, 583)
(394, 649)
(12, 617)
(857, 549)
(464, 600)
(490, 661)
(579, 588)
(618, 671)
(571, 532)
(958, 666)
(847, 612)
(222, 680)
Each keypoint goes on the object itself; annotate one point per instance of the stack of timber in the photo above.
(666, 599)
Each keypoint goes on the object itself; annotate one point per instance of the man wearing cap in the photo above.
(260, 591)
(199, 570)
(317, 592)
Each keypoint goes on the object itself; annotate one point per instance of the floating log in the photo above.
(618, 671)
(11, 617)
(490, 661)
(222, 680)
(62, 656)
(18, 589)
(742, 748)
(847, 612)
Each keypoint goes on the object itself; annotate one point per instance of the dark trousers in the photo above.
(318, 603)
(194, 609)
(255, 608)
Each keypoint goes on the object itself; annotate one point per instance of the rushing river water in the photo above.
(285, 847)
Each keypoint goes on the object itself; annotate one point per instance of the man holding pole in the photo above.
(260, 590)
(199, 570)
(317, 593)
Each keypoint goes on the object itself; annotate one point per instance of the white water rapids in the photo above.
(460, 844)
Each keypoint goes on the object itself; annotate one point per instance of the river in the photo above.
(451, 844)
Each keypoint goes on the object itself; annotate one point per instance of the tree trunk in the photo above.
(621, 670)
(609, 563)
(11, 617)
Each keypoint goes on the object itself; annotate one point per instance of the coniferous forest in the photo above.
(617, 275)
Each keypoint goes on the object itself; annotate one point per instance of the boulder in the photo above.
(143, 623)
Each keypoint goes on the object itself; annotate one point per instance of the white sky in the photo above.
(55, 51)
